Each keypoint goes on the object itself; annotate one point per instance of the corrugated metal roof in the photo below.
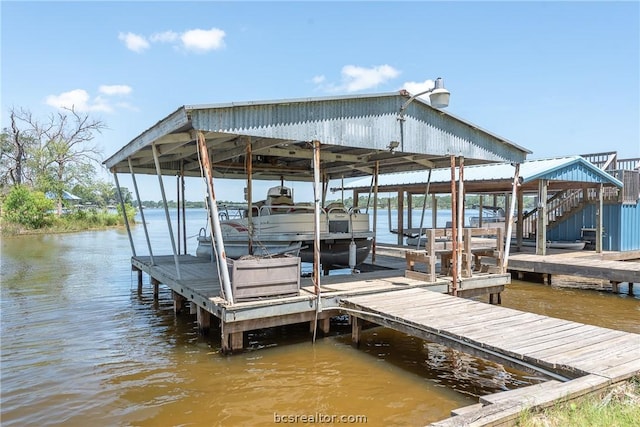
(355, 133)
(571, 168)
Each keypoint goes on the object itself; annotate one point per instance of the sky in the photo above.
(557, 78)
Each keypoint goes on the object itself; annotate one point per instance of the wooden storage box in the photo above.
(253, 278)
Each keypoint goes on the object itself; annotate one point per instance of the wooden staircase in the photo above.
(566, 203)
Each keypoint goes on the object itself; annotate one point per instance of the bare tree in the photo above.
(13, 153)
(61, 152)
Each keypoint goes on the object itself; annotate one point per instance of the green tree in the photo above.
(28, 208)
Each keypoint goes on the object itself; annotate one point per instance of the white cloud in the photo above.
(356, 78)
(164, 37)
(134, 42)
(77, 99)
(115, 89)
(417, 87)
(195, 40)
(203, 40)
(81, 101)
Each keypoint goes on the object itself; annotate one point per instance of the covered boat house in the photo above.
(574, 199)
(313, 139)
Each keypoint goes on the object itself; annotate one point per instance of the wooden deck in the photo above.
(581, 358)
(605, 266)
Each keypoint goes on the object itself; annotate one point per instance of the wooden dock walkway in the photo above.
(581, 358)
(199, 285)
(578, 263)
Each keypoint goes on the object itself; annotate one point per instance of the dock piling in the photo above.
(156, 285)
(203, 318)
(356, 330)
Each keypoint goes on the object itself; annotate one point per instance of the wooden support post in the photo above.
(236, 341)
(434, 211)
(225, 347)
(599, 221)
(454, 230)
(541, 226)
(631, 288)
(467, 258)
(409, 210)
(500, 250)
(520, 223)
(204, 321)
(139, 273)
(400, 216)
(614, 287)
(155, 284)
(325, 325)
(193, 308)
(178, 302)
(431, 252)
(356, 330)
(375, 211)
(495, 299)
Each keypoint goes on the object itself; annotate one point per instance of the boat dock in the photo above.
(322, 140)
(198, 285)
(616, 267)
(581, 358)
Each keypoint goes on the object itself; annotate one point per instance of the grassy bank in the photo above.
(77, 221)
(618, 406)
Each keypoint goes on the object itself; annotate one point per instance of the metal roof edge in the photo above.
(572, 160)
(190, 107)
(400, 93)
(171, 122)
(474, 126)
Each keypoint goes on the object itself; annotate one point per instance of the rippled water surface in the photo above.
(80, 347)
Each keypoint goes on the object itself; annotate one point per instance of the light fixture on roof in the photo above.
(438, 97)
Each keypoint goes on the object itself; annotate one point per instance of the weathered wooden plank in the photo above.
(605, 357)
(522, 334)
(507, 411)
(621, 371)
(479, 322)
(521, 394)
(554, 339)
(439, 319)
(577, 266)
(508, 322)
(489, 327)
(587, 344)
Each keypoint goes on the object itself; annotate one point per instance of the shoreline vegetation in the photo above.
(29, 212)
(68, 223)
(618, 406)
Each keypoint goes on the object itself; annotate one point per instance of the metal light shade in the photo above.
(439, 98)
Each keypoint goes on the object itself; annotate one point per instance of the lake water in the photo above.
(80, 347)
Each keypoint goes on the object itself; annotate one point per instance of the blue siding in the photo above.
(630, 221)
(621, 226)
